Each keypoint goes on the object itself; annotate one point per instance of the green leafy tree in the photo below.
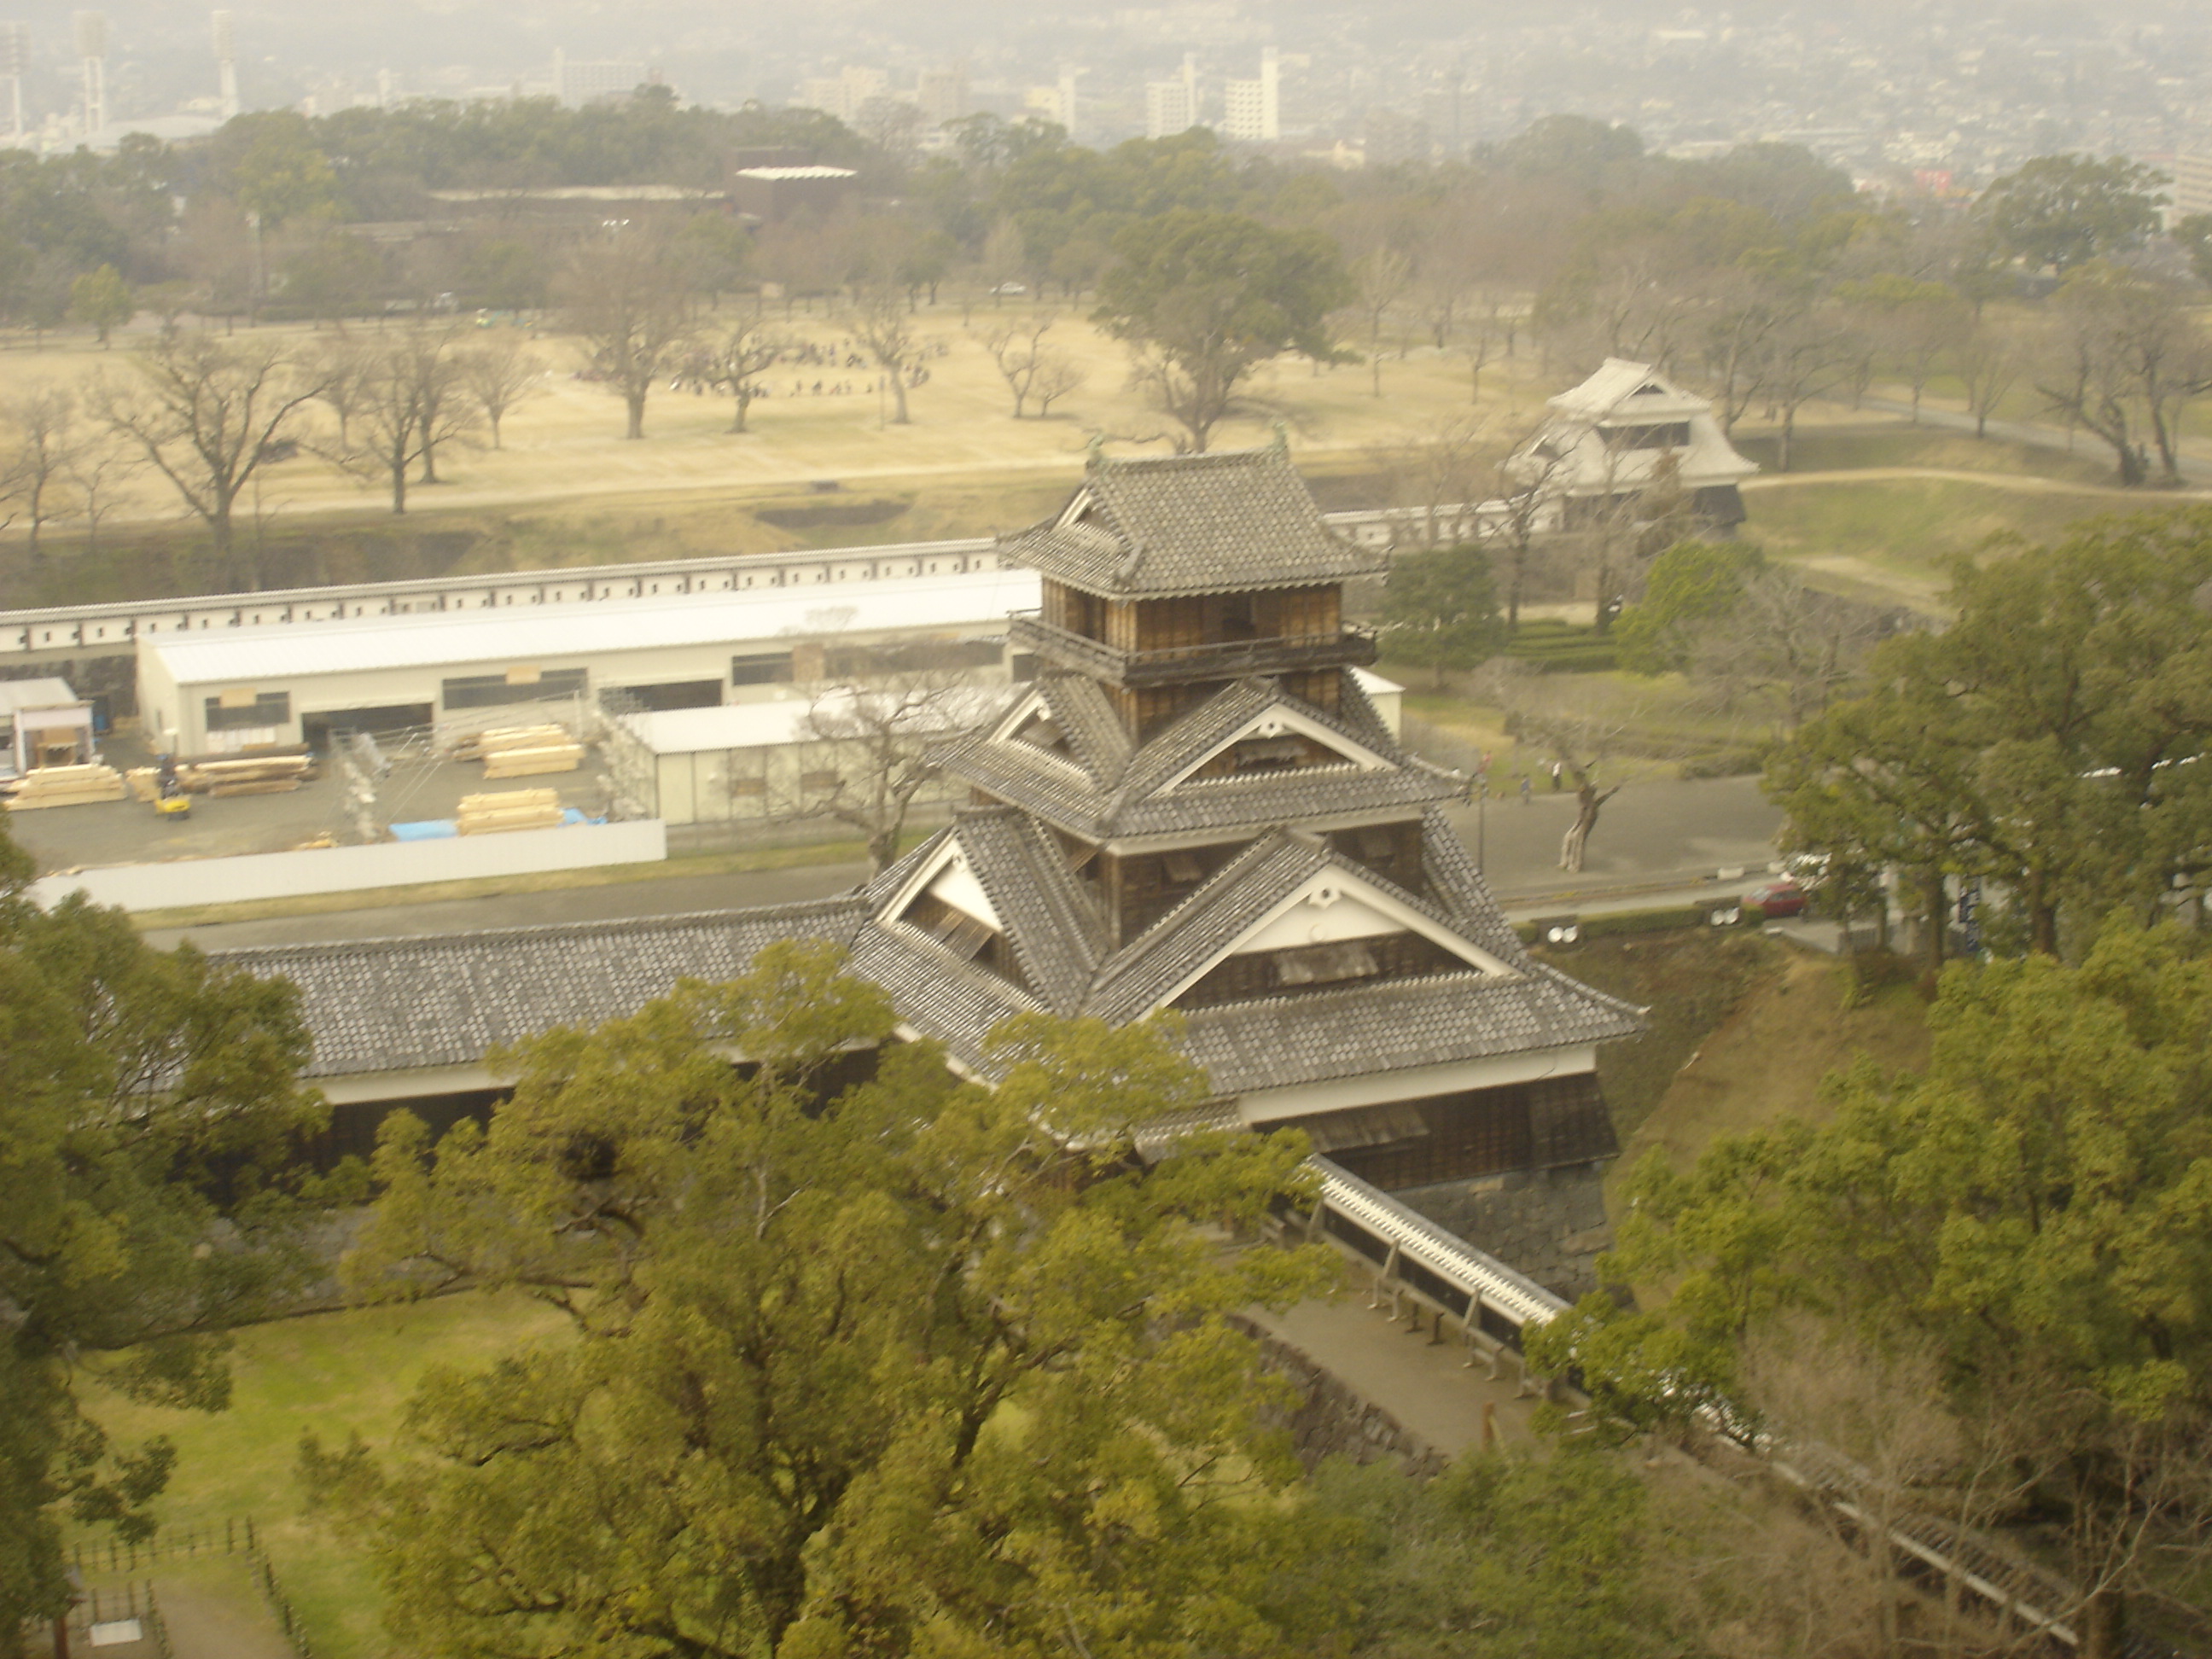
(102, 301)
(1440, 610)
(146, 1104)
(1546, 1557)
(282, 175)
(2031, 1207)
(1208, 297)
(2047, 740)
(907, 1366)
(2193, 235)
(1691, 587)
(2065, 211)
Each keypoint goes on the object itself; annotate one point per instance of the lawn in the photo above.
(330, 1374)
(1888, 539)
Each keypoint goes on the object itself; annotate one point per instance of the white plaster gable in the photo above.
(1332, 904)
(1281, 720)
(946, 876)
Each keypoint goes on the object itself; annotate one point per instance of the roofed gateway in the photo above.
(1195, 808)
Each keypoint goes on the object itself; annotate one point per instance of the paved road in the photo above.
(1654, 838)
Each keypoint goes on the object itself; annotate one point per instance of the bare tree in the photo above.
(500, 374)
(407, 404)
(633, 305)
(1577, 730)
(882, 322)
(99, 466)
(1028, 366)
(47, 436)
(887, 730)
(1057, 374)
(737, 363)
(1988, 363)
(1797, 646)
(1442, 472)
(208, 414)
(1809, 354)
(340, 364)
(1381, 277)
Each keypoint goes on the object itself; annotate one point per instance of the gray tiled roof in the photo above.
(1055, 927)
(1157, 526)
(1360, 1031)
(1088, 800)
(401, 1003)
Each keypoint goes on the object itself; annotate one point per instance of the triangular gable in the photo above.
(1336, 905)
(1033, 726)
(1280, 721)
(946, 876)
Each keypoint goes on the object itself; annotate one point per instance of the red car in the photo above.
(1777, 898)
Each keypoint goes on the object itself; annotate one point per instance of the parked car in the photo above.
(1777, 898)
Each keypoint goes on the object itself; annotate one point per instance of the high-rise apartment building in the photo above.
(941, 94)
(585, 81)
(1171, 106)
(842, 93)
(1252, 110)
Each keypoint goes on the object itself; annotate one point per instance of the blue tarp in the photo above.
(426, 829)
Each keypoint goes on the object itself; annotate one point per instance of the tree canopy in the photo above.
(147, 1109)
(2065, 211)
(1211, 296)
(2032, 1206)
(2048, 740)
(1440, 609)
(905, 1366)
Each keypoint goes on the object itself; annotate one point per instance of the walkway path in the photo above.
(1427, 1386)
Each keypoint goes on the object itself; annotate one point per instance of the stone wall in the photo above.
(1548, 1223)
(1332, 1421)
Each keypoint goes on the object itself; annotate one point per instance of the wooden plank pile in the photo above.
(248, 775)
(514, 809)
(522, 751)
(66, 786)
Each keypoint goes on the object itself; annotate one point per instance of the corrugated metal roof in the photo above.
(784, 720)
(365, 644)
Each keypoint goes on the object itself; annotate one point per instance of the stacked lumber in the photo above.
(563, 757)
(248, 775)
(67, 786)
(513, 809)
(144, 782)
(482, 746)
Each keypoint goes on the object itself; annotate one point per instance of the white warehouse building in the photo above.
(203, 692)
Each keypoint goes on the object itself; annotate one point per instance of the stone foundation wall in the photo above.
(1333, 1421)
(1548, 1223)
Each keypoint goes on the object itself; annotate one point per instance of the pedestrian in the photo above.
(1527, 793)
(1556, 770)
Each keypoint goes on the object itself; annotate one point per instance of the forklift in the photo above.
(170, 800)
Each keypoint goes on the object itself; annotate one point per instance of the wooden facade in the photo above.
(1546, 1124)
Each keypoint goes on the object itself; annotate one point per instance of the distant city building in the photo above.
(2192, 183)
(586, 80)
(1393, 135)
(842, 93)
(1171, 106)
(1252, 110)
(941, 94)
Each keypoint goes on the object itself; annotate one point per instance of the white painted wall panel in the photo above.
(354, 869)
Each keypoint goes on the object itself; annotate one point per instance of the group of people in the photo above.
(1527, 782)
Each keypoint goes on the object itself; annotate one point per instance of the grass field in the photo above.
(565, 487)
(331, 1374)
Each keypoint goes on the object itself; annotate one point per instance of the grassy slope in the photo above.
(330, 1374)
